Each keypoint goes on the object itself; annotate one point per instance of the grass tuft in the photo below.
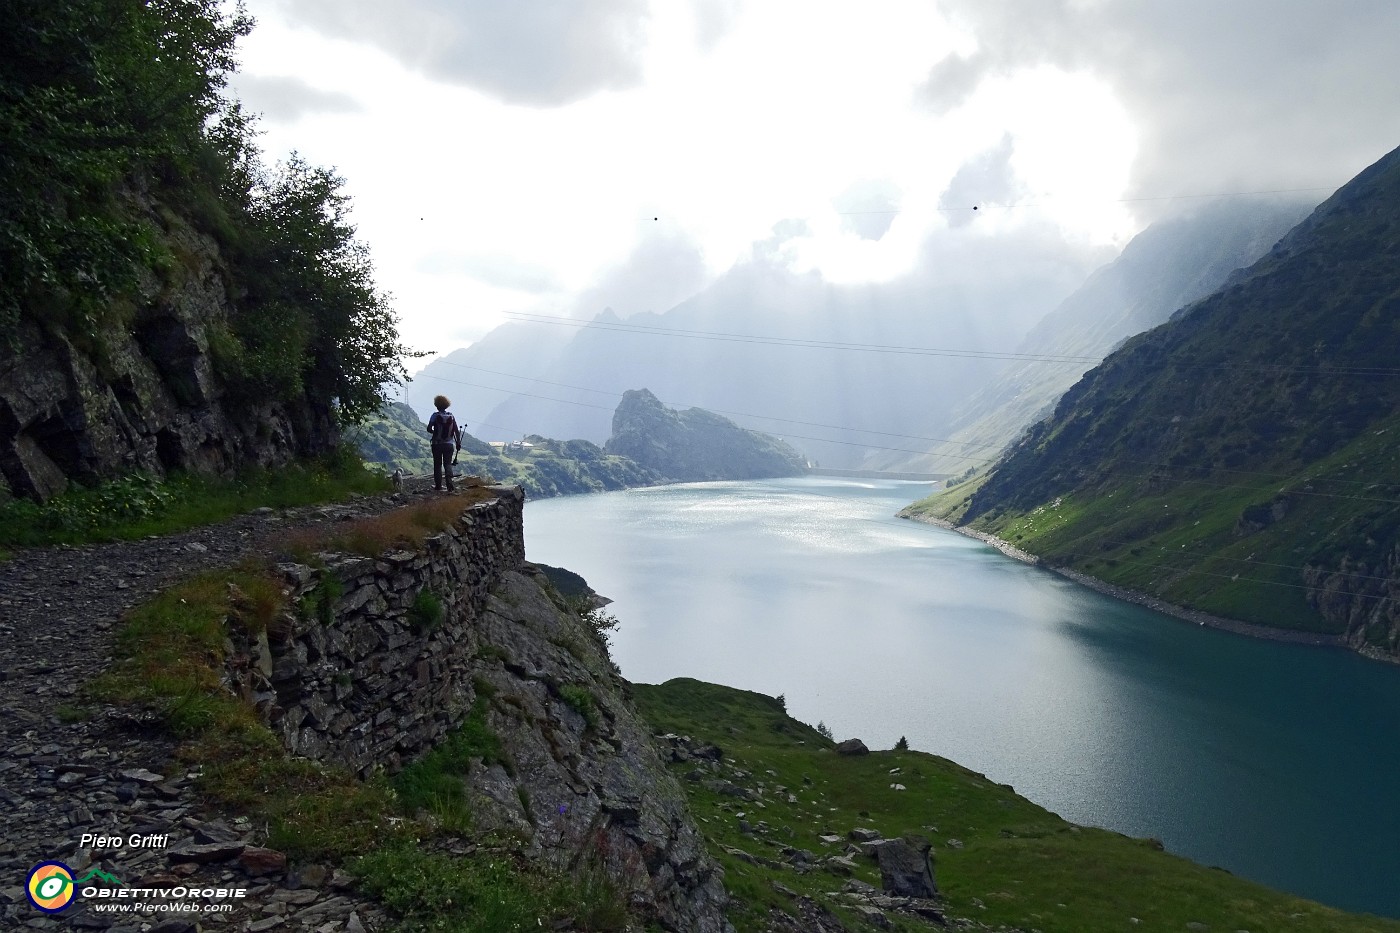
(139, 505)
(487, 894)
(402, 529)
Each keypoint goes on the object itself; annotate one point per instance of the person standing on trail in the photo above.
(444, 434)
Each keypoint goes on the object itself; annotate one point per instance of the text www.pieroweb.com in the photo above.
(118, 907)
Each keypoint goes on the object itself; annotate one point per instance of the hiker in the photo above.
(442, 428)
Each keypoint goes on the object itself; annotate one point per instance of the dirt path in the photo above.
(67, 772)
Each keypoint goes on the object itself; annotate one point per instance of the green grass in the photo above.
(170, 651)
(434, 783)
(170, 657)
(581, 700)
(947, 504)
(426, 613)
(140, 505)
(487, 893)
(1183, 542)
(1019, 866)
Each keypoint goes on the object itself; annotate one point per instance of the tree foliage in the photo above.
(103, 98)
(93, 92)
(304, 259)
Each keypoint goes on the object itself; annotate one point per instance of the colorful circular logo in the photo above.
(50, 886)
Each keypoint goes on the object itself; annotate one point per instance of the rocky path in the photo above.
(70, 770)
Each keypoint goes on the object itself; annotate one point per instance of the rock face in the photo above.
(578, 778)
(695, 445)
(145, 393)
(905, 868)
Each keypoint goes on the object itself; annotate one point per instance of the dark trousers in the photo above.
(442, 463)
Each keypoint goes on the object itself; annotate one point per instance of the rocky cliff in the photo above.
(143, 390)
(695, 445)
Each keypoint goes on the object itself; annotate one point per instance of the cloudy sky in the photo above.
(560, 156)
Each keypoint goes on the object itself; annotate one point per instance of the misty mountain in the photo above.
(757, 347)
(1169, 265)
(524, 350)
(1240, 458)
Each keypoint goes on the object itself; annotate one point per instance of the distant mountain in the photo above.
(755, 346)
(695, 445)
(650, 446)
(471, 376)
(1169, 265)
(1241, 458)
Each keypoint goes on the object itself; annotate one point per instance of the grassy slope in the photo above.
(1184, 542)
(1020, 866)
(140, 505)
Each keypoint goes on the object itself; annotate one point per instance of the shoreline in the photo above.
(1182, 613)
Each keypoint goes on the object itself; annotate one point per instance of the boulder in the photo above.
(906, 867)
(852, 747)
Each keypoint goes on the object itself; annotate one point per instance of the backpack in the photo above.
(444, 427)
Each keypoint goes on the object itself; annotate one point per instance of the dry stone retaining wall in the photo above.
(354, 677)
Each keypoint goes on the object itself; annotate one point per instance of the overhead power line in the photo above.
(1064, 359)
(1016, 205)
(771, 340)
(1285, 477)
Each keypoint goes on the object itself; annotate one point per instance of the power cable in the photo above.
(1063, 359)
(1287, 477)
(1038, 203)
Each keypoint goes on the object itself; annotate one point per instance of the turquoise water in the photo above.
(1280, 763)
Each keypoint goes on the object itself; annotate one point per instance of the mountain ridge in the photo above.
(1238, 459)
(1169, 265)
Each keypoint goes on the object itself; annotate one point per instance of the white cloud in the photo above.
(512, 157)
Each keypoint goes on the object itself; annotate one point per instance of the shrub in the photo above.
(580, 698)
(426, 613)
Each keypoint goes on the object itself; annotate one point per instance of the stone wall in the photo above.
(577, 782)
(353, 676)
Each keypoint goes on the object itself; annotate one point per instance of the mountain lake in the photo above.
(1278, 762)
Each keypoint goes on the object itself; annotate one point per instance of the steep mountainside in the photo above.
(1240, 458)
(1170, 264)
(167, 301)
(148, 392)
(695, 445)
(469, 375)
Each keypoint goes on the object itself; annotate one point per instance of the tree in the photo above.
(902, 745)
(306, 262)
(92, 94)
